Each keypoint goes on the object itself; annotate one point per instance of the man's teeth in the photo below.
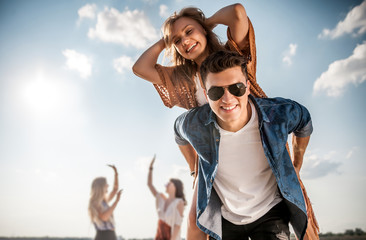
(189, 49)
(229, 108)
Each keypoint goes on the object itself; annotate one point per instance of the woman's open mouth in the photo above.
(191, 47)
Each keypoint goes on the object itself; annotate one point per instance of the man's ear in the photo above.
(204, 91)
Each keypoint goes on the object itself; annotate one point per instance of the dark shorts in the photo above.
(105, 235)
(273, 225)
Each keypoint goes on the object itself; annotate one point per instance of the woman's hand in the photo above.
(113, 167)
(152, 163)
(118, 196)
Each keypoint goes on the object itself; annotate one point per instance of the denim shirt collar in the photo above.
(262, 115)
(211, 118)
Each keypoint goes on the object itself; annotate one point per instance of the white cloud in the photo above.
(79, 62)
(87, 11)
(123, 63)
(316, 167)
(343, 72)
(354, 23)
(180, 171)
(351, 152)
(163, 11)
(130, 28)
(289, 53)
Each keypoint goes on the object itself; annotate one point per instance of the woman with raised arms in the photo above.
(169, 206)
(100, 211)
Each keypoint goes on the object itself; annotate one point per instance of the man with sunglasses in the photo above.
(247, 184)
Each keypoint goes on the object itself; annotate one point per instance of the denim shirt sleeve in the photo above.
(178, 130)
(300, 120)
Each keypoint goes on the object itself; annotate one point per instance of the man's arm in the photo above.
(299, 145)
(302, 128)
(190, 155)
(184, 145)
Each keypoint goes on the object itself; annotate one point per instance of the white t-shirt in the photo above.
(244, 180)
(200, 92)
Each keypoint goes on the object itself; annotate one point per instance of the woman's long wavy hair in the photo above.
(213, 42)
(179, 189)
(97, 195)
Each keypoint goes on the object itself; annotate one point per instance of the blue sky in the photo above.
(69, 104)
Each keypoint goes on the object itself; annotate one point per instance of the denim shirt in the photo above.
(278, 117)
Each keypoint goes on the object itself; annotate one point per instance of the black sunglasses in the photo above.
(236, 89)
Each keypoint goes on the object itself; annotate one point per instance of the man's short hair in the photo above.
(220, 61)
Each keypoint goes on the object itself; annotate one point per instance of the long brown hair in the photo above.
(188, 68)
(179, 189)
(97, 195)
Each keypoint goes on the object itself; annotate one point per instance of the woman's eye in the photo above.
(189, 31)
(177, 41)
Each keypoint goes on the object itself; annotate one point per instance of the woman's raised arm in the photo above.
(149, 178)
(144, 67)
(115, 184)
(104, 216)
(235, 17)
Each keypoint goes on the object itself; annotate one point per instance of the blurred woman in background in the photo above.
(100, 212)
(170, 208)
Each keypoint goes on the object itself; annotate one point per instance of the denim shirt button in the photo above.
(211, 180)
(217, 139)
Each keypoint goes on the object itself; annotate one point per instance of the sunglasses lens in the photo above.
(237, 89)
(215, 93)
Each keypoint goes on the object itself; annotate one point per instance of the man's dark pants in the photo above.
(273, 225)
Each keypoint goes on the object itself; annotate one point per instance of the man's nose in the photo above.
(227, 97)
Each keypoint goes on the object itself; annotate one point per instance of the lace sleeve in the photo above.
(174, 93)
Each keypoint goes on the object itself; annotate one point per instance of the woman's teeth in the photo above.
(189, 49)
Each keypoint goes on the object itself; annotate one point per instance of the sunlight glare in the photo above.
(45, 96)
